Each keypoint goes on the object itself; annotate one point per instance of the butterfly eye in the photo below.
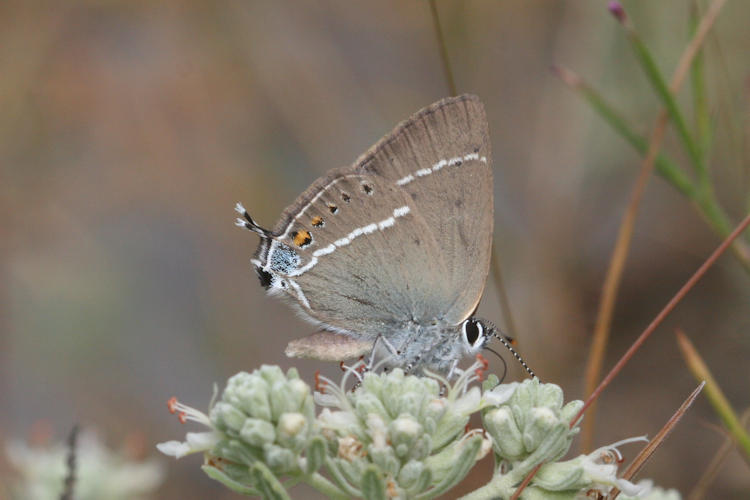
(473, 332)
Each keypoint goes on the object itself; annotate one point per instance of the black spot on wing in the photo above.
(264, 277)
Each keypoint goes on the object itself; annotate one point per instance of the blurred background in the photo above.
(129, 129)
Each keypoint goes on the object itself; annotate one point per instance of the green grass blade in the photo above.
(646, 60)
(715, 395)
(664, 166)
(705, 201)
(703, 126)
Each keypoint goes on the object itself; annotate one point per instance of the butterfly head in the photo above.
(474, 335)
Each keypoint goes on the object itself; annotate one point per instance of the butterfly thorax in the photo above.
(437, 347)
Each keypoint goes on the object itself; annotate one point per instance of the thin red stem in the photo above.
(660, 317)
(648, 331)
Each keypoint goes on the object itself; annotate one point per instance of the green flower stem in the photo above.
(500, 486)
(265, 481)
(325, 486)
(504, 485)
(340, 480)
(230, 483)
(533, 493)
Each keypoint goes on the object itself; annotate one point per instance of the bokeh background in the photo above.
(129, 129)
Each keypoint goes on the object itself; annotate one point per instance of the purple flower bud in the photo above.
(616, 9)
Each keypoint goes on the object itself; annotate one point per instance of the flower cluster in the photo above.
(264, 416)
(528, 422)
(259, 430)
(396, 436)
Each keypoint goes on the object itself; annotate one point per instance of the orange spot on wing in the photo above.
(301, 238)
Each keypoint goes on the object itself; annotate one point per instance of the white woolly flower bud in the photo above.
(396, 436)
(405, 430)
(263, 419)
(530, 420)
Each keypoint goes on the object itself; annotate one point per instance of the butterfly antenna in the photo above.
(506, 341)
(505, 365)
(248, 223)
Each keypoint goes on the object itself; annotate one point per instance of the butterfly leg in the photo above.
(410, 366)
(455, 370)
(382, 353)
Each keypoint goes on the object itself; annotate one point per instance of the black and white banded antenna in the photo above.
(506, 341)
(248, 223)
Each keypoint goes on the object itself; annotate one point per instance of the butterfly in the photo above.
(394, 248)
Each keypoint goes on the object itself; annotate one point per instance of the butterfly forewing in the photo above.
(403, 235)
(359, 243)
